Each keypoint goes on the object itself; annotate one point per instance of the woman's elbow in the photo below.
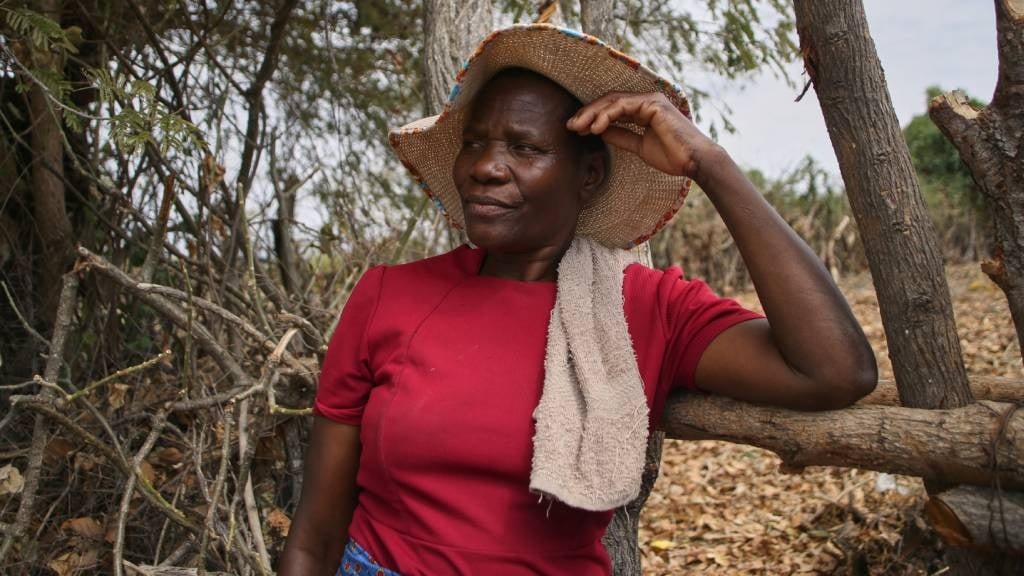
(845, 386)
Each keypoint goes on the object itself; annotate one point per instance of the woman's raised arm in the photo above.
(810, 353)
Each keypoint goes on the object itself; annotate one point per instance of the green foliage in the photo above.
(694, 41)
(938, 164)
(49, 79)
(728, 38)
(954, 200)
(142, 119)
(43, 33)
(44, 46)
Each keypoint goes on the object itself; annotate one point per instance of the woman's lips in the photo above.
(488, 210)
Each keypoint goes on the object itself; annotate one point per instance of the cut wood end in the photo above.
(954, 102)
(949, 528)
(1015, 9)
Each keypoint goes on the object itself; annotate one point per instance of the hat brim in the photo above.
(637, 201)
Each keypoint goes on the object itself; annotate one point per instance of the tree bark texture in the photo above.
(978, 518)
(977, 444)
(899, 238)
(990, 142)
(451, 31)
(284, 246)
(596, 19)
(549, 12)
(52, 226)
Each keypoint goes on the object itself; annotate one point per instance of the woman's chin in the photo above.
(488, 238)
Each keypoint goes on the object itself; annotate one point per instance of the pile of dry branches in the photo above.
(186, 458)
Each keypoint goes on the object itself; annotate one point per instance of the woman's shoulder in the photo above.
(659, 290)
(450, 266)
(419, 279)
(641, 280)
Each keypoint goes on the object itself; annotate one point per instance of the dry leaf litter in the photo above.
(721, 508)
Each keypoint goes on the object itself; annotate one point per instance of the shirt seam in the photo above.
(372, 319)
(397, 384)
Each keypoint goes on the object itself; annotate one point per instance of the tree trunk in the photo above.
(284, 245)
(451, 30)
(899, 238)
(596, 19)
(989, 141)
(621, 537)
(978, 520)
(52, 225)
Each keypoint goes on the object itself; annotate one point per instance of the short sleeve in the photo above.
(693, 316)
(346, 378)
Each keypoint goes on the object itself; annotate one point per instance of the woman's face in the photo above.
(522, 176)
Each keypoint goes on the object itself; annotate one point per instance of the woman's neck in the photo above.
(535, 266)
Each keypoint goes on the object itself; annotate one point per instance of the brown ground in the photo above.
(721, 508)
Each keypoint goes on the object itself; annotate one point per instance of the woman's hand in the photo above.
(670, 142)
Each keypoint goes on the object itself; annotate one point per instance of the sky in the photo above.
(950, 43)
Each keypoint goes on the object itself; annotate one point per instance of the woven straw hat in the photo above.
(637, 200)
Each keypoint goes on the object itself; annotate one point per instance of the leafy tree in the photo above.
(936, 160)
(954, 200)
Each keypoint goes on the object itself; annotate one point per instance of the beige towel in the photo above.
(591, 423)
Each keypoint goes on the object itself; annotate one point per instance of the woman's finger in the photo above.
(583, 121)
(624, 138)
(584, 117)
(603, 119)
(637, 109)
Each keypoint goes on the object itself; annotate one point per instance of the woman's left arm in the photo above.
(810, 353)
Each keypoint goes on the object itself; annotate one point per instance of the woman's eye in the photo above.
(470, 143)
(526, 148)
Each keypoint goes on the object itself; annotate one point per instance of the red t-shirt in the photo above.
(441, 369)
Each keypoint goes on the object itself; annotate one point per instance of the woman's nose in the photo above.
(490, 165)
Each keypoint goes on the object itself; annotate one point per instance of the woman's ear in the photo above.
(595, 172)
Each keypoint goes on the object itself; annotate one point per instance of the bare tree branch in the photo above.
(955, 445)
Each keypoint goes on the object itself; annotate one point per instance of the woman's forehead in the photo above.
(526, 91)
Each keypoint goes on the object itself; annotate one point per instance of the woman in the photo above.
(455, 387)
